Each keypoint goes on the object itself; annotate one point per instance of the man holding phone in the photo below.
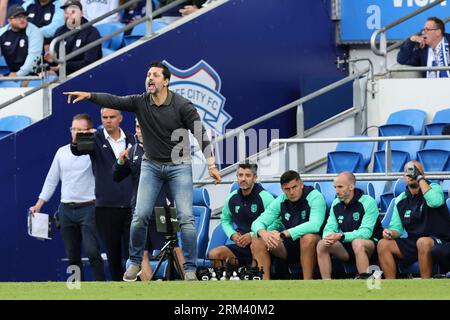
(421, 212)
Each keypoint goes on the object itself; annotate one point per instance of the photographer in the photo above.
(113, 200)
(422, 212)
(77, 208)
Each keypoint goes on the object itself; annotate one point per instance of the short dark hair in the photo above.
(439, 23)
(288, 176)
(248, 165)
(84, 116)
(158, 64)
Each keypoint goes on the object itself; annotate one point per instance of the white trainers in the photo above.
(132, 272)
(190, 276)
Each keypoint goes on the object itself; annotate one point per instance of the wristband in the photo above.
(419, 178)
(342, 238)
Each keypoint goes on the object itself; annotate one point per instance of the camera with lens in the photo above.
(85, 141)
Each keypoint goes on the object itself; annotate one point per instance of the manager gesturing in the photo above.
(165, 118)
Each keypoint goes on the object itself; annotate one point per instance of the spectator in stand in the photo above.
(431, 48)
(180, 11)
(133, 12)
(77, 208)
(96, 8)
(47, 15)
(113, 200)
(73, 17)
(21, 43)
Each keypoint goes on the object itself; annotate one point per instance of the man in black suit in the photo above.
(113, 200)
(431, 48)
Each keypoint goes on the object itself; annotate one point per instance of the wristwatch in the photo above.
(342, 238)
(282, 236)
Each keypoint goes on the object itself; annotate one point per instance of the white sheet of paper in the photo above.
(38, 225)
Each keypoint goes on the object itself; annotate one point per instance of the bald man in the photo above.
(352, 230)
(420, 211)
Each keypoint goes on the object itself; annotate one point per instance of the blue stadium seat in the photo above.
(106, 52)
(350, 156)
(274, 188)
(3, 66)
(139, 31)
(398, 160)
(440, 119)
(397, 188)
(433, 160)
(106, 29)
(10, 124)
(402, 123)
(202, 215)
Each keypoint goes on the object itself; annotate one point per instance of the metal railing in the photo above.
(357, 111)
(388, 175)
(62, 58)
(383, 50)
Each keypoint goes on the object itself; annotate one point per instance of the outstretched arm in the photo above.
(79, 95)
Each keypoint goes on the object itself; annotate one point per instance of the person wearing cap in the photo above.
(47, 15)
(73, 17)
(21, 42)
(420, 211)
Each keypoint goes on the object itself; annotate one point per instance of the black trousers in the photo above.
(114, 227)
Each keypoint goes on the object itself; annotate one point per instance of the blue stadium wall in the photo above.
(267, 53)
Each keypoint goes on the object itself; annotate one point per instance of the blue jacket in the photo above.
(411, 54)
(108, 193)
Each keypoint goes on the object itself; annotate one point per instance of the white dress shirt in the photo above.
(75, 174)
(117, 145)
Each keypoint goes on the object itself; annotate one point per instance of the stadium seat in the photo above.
(440, 119)
(106, 52)
(202, 215)
(3, 66)
(397, 188)
(274, 188)
(401, 152)
(10, 124)
(350, 156)
(139, 31)
(402, 123)
(105, 29)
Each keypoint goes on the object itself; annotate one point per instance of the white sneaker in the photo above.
(133, 271)
(190, 276)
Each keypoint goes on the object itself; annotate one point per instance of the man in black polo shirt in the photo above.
(289, 228)
(352, 230)
(73, 16)
(241, 208)
(46, 15)
(165, 118)
(421, 212)
(21, 43)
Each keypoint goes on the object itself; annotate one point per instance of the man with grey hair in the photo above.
(113, 199)
(352, 230)
(420, 211)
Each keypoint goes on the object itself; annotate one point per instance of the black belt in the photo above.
(79, 204)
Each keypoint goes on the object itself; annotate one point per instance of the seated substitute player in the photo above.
(241, 208)
(352, 230)
(422, 212)
(300, 213)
